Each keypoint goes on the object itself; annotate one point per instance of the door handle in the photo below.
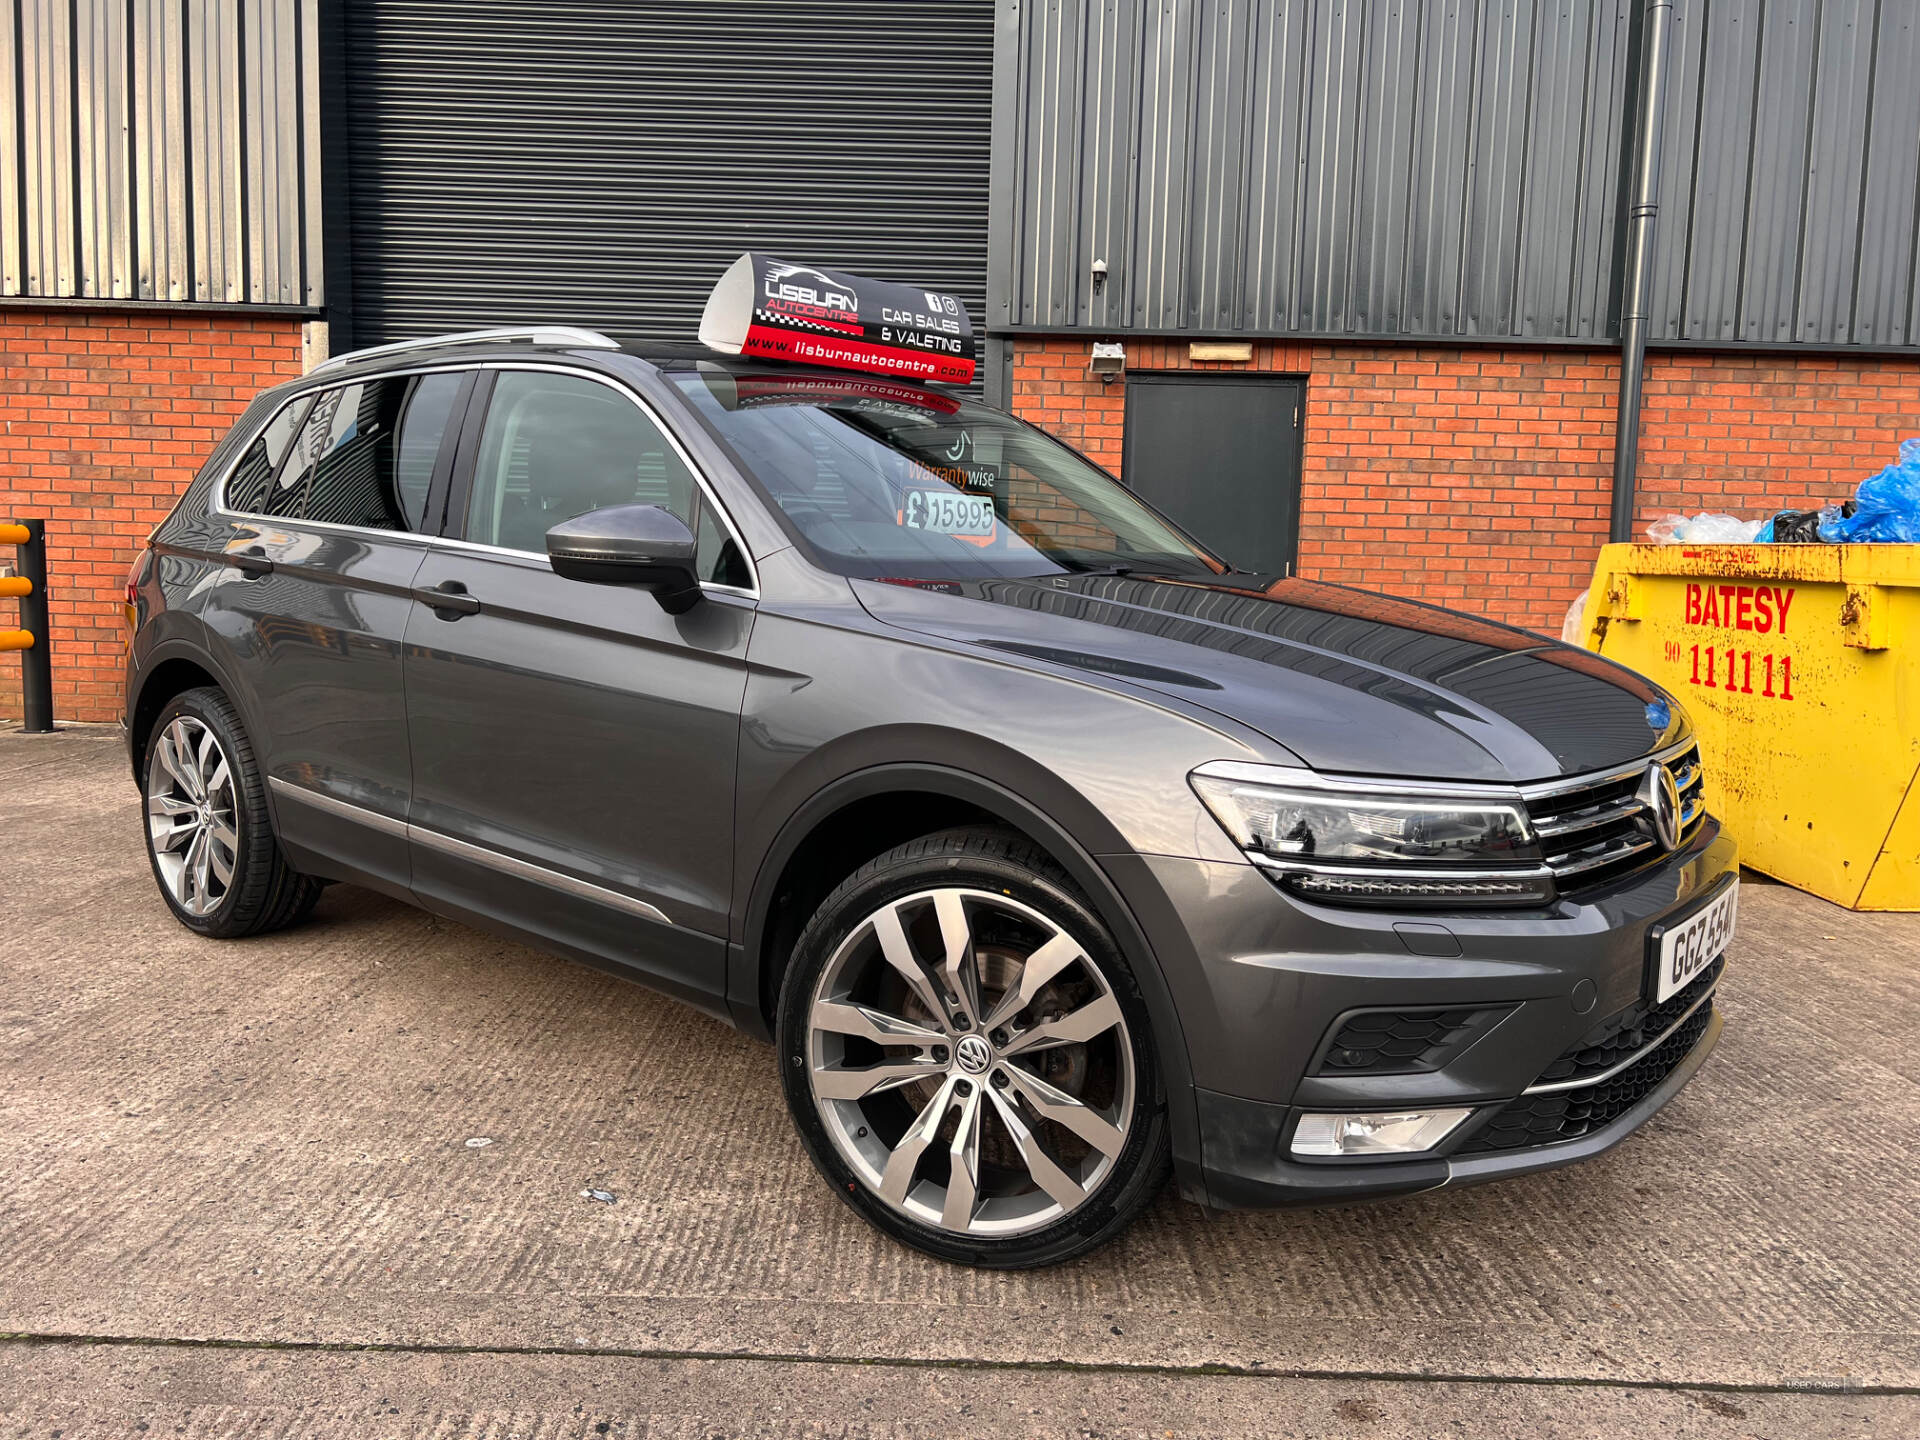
(449, 599)
(251, 563)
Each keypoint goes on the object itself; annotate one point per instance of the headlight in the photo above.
(1363, 843)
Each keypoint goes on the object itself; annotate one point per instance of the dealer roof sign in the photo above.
(780, 311)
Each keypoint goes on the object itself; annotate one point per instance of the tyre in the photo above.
(208, 837)
(967, 1056)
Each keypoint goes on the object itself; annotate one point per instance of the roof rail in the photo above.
(535, 334)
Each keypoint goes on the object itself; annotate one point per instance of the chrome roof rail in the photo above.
(534, 334)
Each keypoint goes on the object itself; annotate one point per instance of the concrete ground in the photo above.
(239, 1196)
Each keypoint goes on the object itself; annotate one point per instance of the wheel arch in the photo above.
(174, 665)
(757, 961)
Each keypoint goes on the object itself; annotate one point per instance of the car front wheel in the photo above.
(967, 1057)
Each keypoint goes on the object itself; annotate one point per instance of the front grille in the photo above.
(1570, 1114)
(1403, 1042)
(1596, 831)
(1629, 1031)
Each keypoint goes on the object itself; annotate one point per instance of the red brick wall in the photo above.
(104, 418)
(1479, 477)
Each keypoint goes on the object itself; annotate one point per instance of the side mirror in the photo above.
(644, 545)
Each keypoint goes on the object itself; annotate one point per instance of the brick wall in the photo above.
(104, 418)
(1479, 477)
(1474, 477)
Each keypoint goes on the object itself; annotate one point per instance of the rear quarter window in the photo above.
(359, 454)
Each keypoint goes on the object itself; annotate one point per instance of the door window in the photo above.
(356, 455)
(556, 446)
(423, 425)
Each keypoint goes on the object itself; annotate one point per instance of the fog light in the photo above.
(1398, 1132)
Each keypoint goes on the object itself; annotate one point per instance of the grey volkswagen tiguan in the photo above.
(1051, 852)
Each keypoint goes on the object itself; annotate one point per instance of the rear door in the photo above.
(573, 744)
(326, 513)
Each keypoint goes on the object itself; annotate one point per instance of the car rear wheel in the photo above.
(967, 1057)
(208, 836)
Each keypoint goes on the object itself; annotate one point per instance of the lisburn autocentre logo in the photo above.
(809, 294)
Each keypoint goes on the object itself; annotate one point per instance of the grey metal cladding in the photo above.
(601, 164)
(1788, 209)
(159, 151)
(1450, 169)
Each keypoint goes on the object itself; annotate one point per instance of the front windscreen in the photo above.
(886, 481)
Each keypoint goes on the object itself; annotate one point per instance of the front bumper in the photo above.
(1245, 1166)
(1261, 980)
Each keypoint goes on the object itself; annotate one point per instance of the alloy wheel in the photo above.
(971, 1063)
(190, 815)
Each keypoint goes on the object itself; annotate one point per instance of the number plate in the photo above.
(1689, 947)
(946, 512)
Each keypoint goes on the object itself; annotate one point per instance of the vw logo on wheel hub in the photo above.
(974, 1055)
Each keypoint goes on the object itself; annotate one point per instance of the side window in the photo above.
(356, 455)
(341, 469)
(423, 424)
(719, 559)
(557, 446)
(247, 485)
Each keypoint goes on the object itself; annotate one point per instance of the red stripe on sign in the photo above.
(776, 344)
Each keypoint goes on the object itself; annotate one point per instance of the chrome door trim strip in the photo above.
(538, 874)
(464, 850)
(372, 819)
(1583, 1081)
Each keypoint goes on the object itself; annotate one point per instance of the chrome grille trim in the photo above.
(1547, 789)
(1577, 820)
(1575, 862)
(1603, 831)
(1582, 1081)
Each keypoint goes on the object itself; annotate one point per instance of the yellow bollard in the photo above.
(13, 535)
(15, 586)
(16, 639)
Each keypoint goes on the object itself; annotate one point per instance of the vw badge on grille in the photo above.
(1661, 796)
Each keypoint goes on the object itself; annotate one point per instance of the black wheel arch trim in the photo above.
(746, 963)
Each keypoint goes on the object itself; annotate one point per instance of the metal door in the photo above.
(1220, 454)
(574, 160)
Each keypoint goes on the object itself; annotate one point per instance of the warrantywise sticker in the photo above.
(781, 311)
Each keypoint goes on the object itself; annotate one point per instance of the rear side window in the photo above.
(247, 486)
(359, 454)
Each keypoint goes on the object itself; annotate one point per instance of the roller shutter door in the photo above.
(512, 161)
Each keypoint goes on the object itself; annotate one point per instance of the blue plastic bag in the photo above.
(1887, 507)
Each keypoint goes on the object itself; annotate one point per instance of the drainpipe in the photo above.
(1642, 210)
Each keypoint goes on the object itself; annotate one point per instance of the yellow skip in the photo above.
(1800, 665)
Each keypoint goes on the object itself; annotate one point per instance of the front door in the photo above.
(1220, 455)
(574, 744)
